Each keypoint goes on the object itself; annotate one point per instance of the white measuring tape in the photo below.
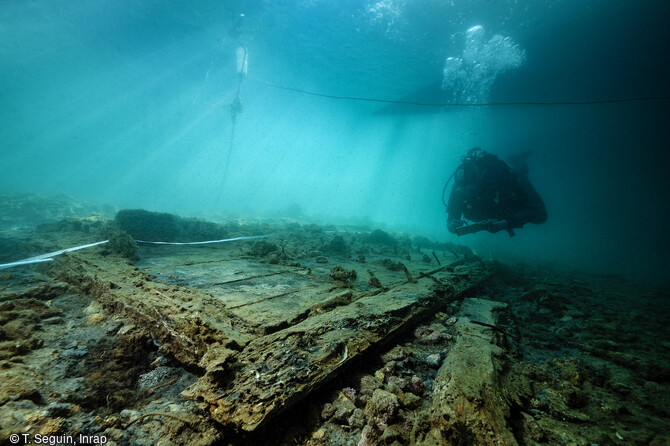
(248, 237)
(49, 256)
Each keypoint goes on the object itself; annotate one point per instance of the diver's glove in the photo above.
(494, 226)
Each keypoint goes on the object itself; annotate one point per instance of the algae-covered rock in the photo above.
(19, 329)
(150, 226)
(391, 437)
(18, 384)
(120, 242)
(343, 409)
(409, 400)
(336, 246)
(156, 226)
(382, 408)
(357, 419)
(263, 248)
(341, 275)
(369, 384)
(381, 237)
(71, 224)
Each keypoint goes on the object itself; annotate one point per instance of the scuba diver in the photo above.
(489, 195)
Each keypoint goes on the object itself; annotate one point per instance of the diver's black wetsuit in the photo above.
(489, 193)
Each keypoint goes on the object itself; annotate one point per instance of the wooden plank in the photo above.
(274, 372)
(470, 404)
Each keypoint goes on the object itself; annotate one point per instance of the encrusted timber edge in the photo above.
(437, 299)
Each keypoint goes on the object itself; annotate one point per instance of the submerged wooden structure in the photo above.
(242, 342)
(263, 336)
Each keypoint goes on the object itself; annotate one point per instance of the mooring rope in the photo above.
(452, 104)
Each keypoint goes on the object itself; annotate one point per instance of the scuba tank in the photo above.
(467, 170)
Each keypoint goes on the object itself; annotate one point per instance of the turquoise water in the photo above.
(128, 104)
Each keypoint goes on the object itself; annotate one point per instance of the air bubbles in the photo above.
(470, 77)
